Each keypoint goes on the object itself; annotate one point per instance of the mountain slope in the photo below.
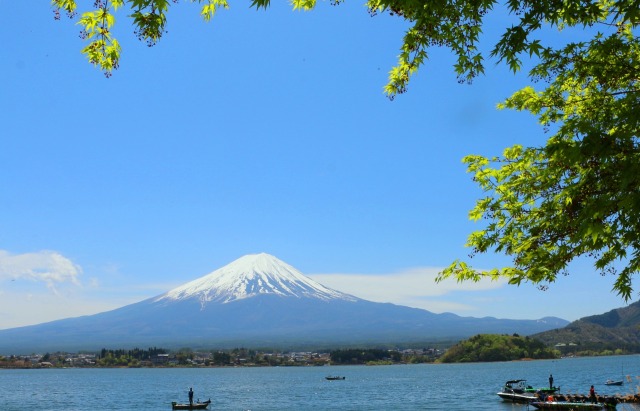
(616, 328)
(250, 276)
(256, 301)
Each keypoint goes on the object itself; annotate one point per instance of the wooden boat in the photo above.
(334, 377)
(572, 406)
(187, 406)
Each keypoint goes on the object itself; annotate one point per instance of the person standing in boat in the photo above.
(550, 381)
(592, 394)
(191, 396)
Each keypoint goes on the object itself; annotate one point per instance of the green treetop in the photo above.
(577, 195)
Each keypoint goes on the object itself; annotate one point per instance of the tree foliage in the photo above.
(577, 195)
(492, 347)
(363, 356)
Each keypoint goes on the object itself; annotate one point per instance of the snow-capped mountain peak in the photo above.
(252, 275)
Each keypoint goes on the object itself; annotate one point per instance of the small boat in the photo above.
(518, 391)
(195, 406)
(334, 377)
(575, 406)
(616, 382)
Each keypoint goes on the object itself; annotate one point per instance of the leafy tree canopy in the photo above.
(577, 195)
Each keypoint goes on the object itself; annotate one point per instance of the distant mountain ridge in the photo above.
(619, 327)
(256, 301)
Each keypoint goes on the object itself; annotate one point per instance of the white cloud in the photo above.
(48, 267)
(19, 309)
(24, 299)
(415, 287)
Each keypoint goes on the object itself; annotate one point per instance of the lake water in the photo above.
(449, 387)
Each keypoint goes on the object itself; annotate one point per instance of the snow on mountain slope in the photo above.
(249, 276)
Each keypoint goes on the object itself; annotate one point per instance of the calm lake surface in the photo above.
(399, 387)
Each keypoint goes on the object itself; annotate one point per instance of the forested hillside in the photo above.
(617, 329)
(492, 347)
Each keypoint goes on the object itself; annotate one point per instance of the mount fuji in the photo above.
(256, 301)
(251, 276)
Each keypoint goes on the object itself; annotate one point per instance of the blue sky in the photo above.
(262, 131)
